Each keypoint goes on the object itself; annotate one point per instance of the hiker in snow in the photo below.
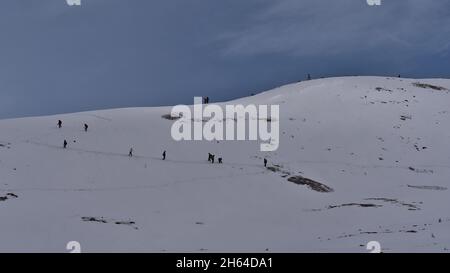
(130, 154)
(265, 162)
(65, 144)
(209, 156)
(220, 160)
(309, 77)
(86, 127)
(212, 158)
(164, 155)
(59, 123)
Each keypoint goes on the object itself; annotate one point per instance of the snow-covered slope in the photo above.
(382, 145)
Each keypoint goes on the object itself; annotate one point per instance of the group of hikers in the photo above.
(65, 143)
(211, 157)
(60, 125)
(130, 154)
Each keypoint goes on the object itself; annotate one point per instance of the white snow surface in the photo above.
(381, 143)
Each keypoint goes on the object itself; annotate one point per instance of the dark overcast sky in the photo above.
(120, 53)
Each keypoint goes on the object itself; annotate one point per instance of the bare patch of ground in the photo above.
(409, 229)
(379, 89)
(435, 188)
(278, 169)
(8, 196)
(429, 86)
(405, 117)
(127, 223)
(421, 170)
(396, 202)
(362, 205)
(94, 219)
(170, 117)
(314, 185)
(105, 221)
(5, 145)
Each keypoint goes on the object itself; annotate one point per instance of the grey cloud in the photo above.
(121, 53)
(334, 27)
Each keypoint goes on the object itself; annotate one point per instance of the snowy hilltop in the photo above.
(360, 159)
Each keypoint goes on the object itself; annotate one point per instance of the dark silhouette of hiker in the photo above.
(164, 155)
(86, 127)
(220, 160)
(209, 157)
(265, 162)
(65, 144)
(130, 154)
(212, 159)
(59, 123)
(309, 77)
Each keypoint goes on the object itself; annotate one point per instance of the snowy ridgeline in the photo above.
(359, 159)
